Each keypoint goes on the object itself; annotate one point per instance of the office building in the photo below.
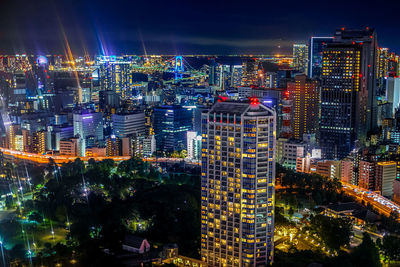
(249, 72)
(385, 177)
(89, 127)
(38, 142)
(129, 124)
(316, 47)
(19, 142)
(70, 147)
(304, 93)
(292, 149)
(347, 171)
(348, 103)
(170, 126)
(300, 57)
(366, 174)
(149, 146)
(14, 129)
(382, 62)
(56, 133)
(114, 146)
(116, 75)
(236, 77)
(238, 178)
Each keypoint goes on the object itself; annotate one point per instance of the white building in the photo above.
(291, 150)
(193, 145)
(149, 146)
(385, 176)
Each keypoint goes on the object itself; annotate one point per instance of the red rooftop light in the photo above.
(254, 100)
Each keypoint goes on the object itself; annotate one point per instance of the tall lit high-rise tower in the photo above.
(300, 57)
(348, 91)
(116, 75)
(249, 71)
(382, 62)
(238, 184)
(304, 93)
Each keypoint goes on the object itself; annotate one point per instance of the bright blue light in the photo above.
(42, 60)
(179, 68)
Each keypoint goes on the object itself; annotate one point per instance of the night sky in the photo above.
(185, 27)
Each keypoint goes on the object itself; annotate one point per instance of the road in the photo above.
(380, 203)
(44, 159)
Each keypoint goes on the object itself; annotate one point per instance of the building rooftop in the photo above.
(254, 108)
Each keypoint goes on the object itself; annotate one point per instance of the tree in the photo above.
(334, 232)
(35, 216)
(366, 254)
(390, 247)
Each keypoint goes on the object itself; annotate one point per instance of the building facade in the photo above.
(300, 57)
(304, 94)
(348, 102)
(238, 182)
(170, 126)
(316, 48)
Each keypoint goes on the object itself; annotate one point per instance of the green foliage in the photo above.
(334, 232)
(390, 247)
(35, 216)
(366, 254)
(131, 196)
(280, 220)
(321, 189)
(297, 258)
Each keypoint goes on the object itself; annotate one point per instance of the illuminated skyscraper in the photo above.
(315, 53)
(237, 73)
(300, 57)
(14, 129)
(88, 125)
(348, 99)
(115, 73)
(304, 95)
(238, 184)
(170, 126)
(114, 146)
(249, 70)
(39, 142)
(382, 62)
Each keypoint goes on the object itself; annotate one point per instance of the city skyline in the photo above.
(201, 134)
